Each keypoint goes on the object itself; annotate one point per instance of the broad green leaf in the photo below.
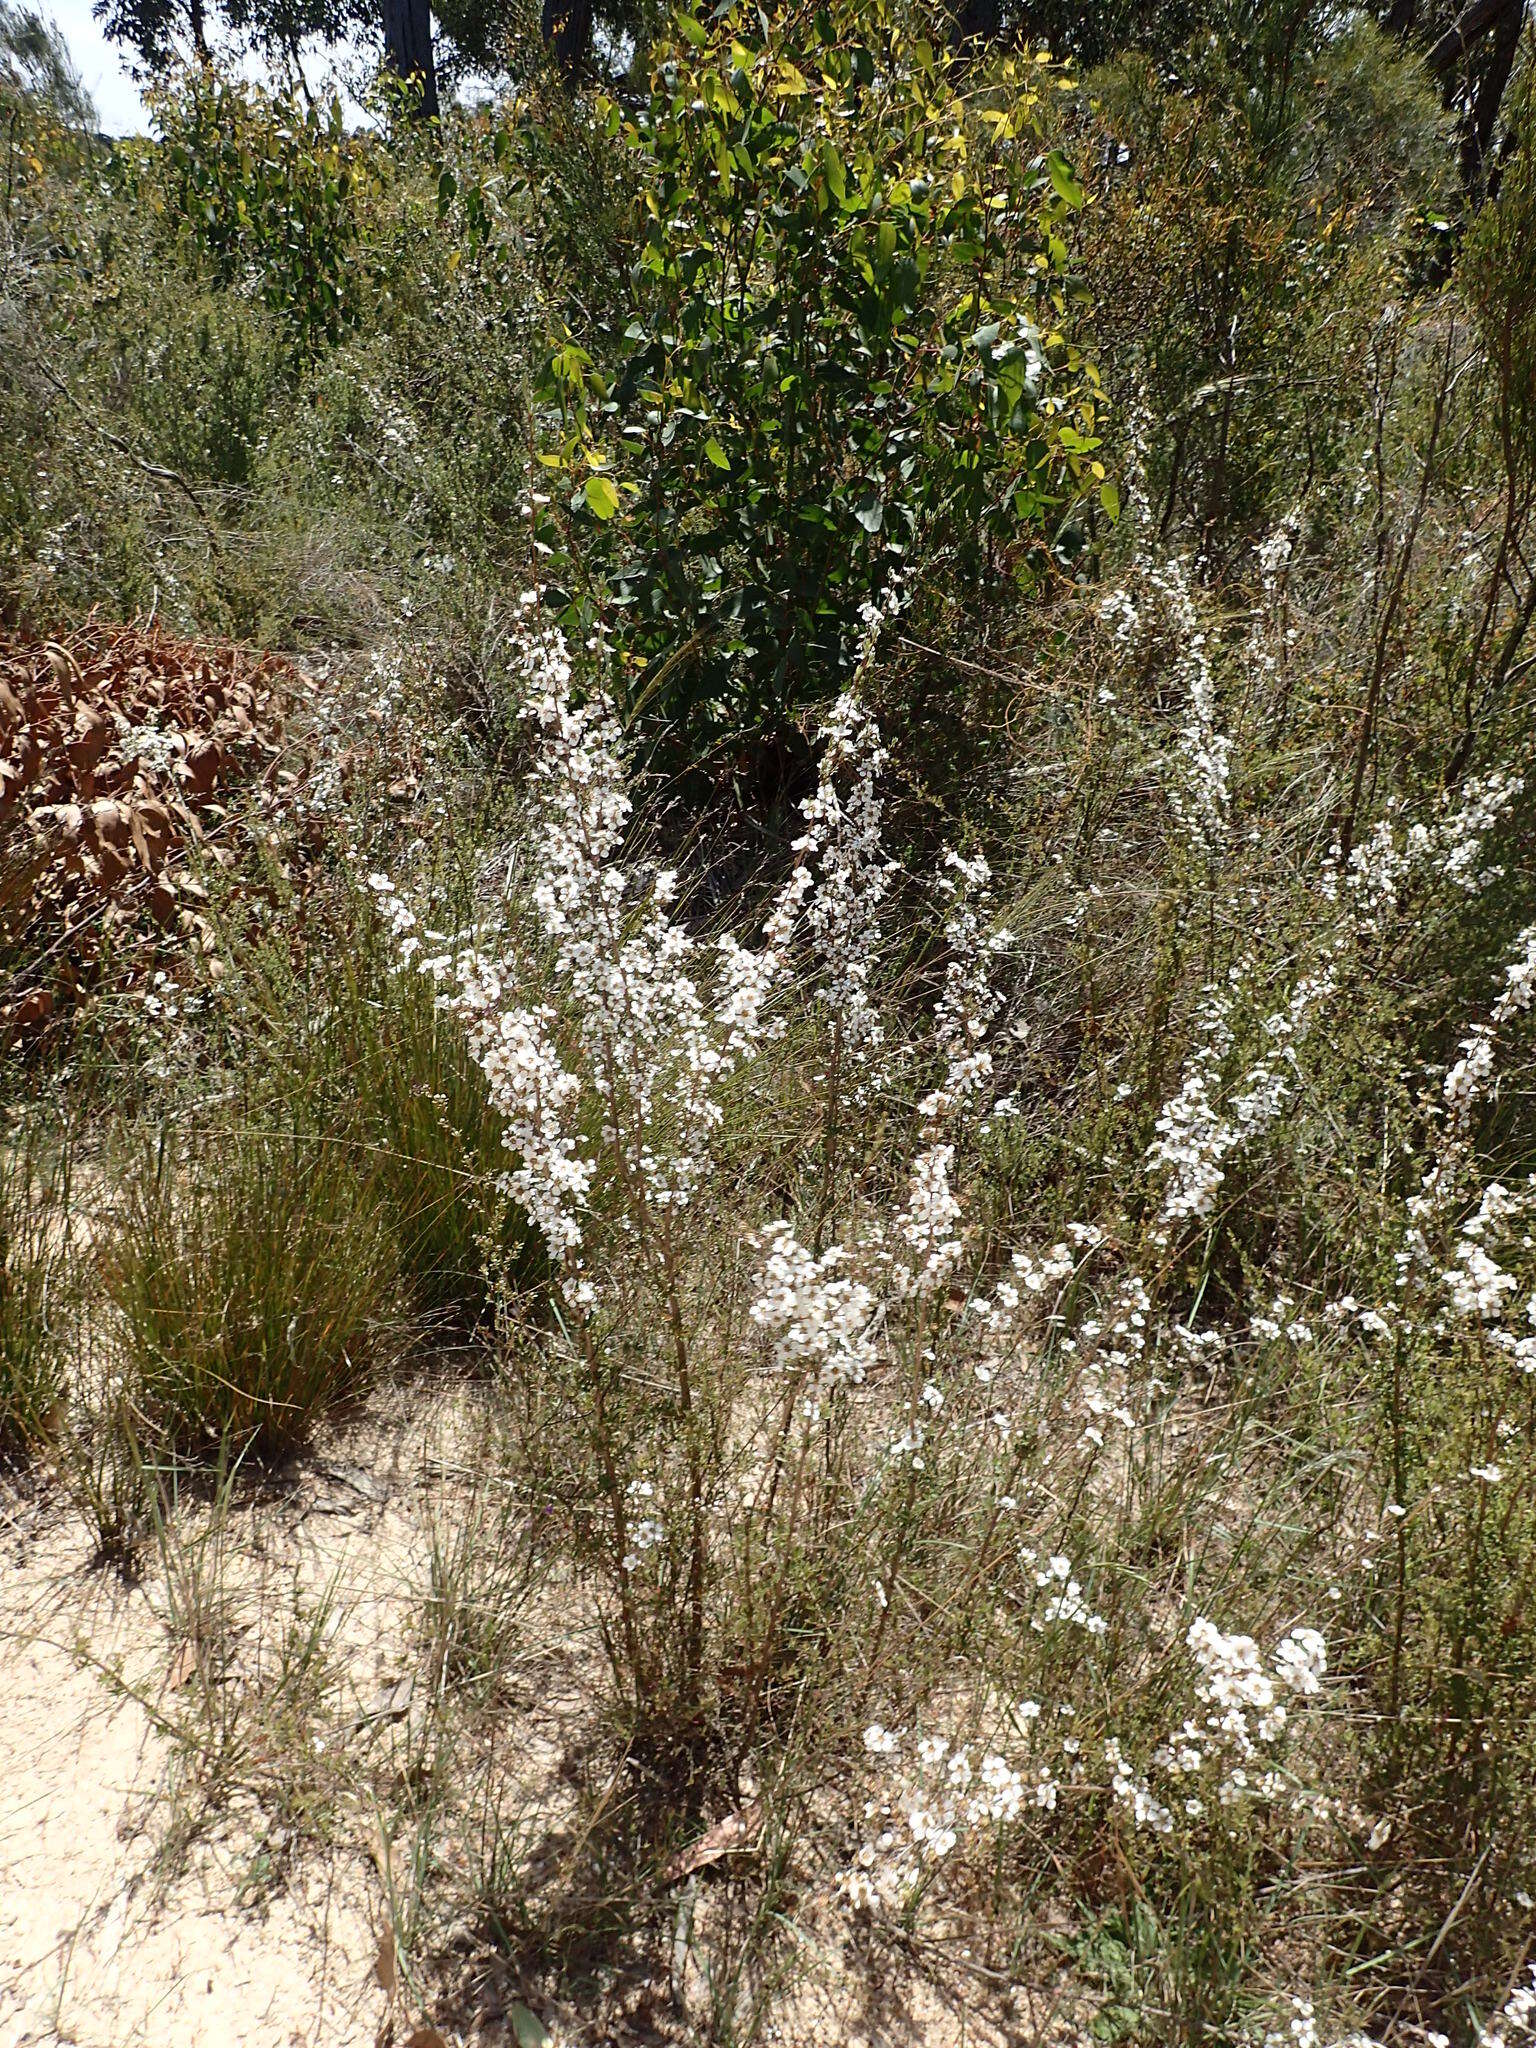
(717, 454)
(602, 499)
(528, 2030)
(1065, 184)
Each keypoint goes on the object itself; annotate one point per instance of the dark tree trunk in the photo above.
(199, 20)
(1488, 94)
(1474, 20)
(408, 48)
(568, 32)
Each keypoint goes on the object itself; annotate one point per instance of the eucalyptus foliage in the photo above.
(848, 340)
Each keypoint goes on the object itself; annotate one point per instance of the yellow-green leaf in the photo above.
(602, 499)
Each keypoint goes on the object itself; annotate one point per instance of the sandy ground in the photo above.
(107, 1938)
(140, 1903)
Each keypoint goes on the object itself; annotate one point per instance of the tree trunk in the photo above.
(1474, 21)
(408, 48)
(199, 21)
(568, 32)
(1488, 95)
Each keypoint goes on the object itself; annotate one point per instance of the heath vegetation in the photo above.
(796, 768)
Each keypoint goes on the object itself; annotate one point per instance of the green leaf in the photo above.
(717, 454)
(528, 2030)
(1066, 186)
(693, 29)
(1109, 498)
(602, 499)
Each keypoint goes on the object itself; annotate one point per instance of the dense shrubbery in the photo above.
(268, 191)
(1014, 1332)
(848, 348)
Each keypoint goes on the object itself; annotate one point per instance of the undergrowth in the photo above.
(947, 1030)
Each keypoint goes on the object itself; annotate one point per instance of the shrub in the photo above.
(847, 344)
(261, 183)
(255, 1285)
(208, 385)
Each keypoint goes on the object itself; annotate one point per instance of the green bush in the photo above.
(207, 383)
(847, 344)
(261, 183)
(255, 1283)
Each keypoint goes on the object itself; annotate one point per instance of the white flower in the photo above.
(814, 1312)
(1301, 1660)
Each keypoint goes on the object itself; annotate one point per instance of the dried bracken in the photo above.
(120, 747)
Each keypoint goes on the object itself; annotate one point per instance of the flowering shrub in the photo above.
(1013, 1330)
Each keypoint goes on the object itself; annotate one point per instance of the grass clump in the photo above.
(31, 1269)
(353, 1042)
(256, 1286)
(425, 1124)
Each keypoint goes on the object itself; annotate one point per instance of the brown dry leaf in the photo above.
(384, 1963)
(426, 2037)
(376, 1844)
(724, 1839)
(183, 1666)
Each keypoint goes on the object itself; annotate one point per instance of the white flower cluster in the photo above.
(1199, 796)
(1246, 1713)
(1035, 1273)
(1146, 1810)
(1519, 989)
(1516, 2020)
(1484, 801)
(644, 1531)
(969, 1003)
(636, 1032)
(1301, 2031)
(1280, 1322)
(1448, 848)
(841, 867)
(1103, 1347)
(926, 1224)
(1476, 1286)
(1065, 1600)
(816, 1314)
(1194, 1135)
(939, 1798)
(1479, 1289)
